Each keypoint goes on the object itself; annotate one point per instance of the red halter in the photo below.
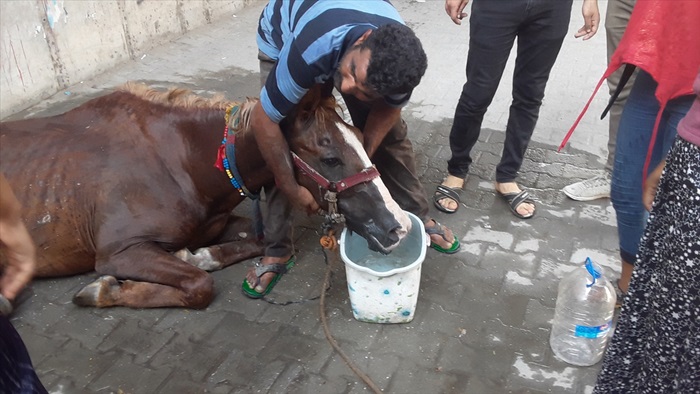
(363, 176)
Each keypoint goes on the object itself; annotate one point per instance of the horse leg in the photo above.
(146, 276)
(220, 256)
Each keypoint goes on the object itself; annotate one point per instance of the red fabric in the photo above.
(663, 39)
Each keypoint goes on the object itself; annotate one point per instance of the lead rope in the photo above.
(330, 246)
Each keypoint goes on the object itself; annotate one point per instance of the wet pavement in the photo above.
(483, 316)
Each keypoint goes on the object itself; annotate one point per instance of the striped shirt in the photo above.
(307, 39)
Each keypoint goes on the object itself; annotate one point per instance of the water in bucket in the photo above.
(384, 288)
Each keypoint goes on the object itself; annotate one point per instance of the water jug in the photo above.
(583, 316)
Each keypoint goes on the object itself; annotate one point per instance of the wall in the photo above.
(48, 45)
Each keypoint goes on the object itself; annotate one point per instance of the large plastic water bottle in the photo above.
(583, 316)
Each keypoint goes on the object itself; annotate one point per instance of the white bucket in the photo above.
(384, 290)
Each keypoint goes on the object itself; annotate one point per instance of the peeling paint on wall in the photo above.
(54, 10)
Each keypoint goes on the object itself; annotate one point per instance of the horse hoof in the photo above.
(97, 292)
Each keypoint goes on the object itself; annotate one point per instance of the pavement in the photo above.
(483, 315)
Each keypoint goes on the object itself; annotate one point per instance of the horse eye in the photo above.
(331, 162)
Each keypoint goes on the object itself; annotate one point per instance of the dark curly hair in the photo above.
(398, 60)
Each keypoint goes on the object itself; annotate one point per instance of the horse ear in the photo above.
(308, 104)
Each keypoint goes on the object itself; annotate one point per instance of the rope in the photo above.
(326, 330)
(329, 243)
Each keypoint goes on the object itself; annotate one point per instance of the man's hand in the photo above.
(591, 20)
(651, 185)
(455, 9)
(275, 151)
(304, 200)
(16, 242)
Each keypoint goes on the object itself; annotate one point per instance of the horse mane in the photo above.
(184, 98)
(313, 104)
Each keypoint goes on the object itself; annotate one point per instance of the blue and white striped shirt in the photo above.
(307, 39)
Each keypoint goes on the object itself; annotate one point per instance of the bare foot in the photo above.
(454, 183)
(267, 277)
(525, 209)
(437, 238)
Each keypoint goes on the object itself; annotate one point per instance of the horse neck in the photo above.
(250, 163)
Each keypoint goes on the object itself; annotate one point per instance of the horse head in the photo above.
(335, 161)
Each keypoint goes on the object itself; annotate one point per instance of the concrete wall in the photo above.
(48, 45)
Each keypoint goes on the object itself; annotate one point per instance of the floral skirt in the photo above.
(656, 345)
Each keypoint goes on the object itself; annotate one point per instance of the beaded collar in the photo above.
(228, 150)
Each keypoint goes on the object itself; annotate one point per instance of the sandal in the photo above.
(515, 199)
(446, 193)
(260, 269)
(437, 229)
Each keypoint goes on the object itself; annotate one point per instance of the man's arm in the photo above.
(591, 20)
(275, 151)
(18, 245)
(380, 120)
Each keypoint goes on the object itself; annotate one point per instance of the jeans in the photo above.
(540, 27)
(633, 139)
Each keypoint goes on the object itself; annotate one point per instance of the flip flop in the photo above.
(446, 193)
(437, 229)
(260, 269)
(514, 200)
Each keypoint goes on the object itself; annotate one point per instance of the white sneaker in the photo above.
(589, 189)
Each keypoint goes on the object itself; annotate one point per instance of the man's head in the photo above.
(387, 61)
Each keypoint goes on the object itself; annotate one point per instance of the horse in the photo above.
(125, 182)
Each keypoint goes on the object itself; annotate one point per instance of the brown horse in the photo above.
(121, 183)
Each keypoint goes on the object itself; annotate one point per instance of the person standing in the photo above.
(660, 41)
(540, 28)
(656, 346)
(617, 16)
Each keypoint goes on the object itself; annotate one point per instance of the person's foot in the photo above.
(445, 242)
(265, 278)
(620, 294)
(448, 204)
(525, 209)
(589, 189)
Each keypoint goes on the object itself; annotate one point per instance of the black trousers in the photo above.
(540, 27)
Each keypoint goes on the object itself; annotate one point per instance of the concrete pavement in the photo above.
(483, 316)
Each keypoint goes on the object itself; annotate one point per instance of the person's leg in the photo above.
(276, 218)
(539, 40)
(633, 139)
(661, 319)
(396, 163)
(17, 374)
(616, 18)
(492, 33)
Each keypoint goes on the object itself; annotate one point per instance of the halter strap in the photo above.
(365, 175)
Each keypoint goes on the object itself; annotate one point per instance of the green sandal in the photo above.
(260, 269)
(454, 248)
